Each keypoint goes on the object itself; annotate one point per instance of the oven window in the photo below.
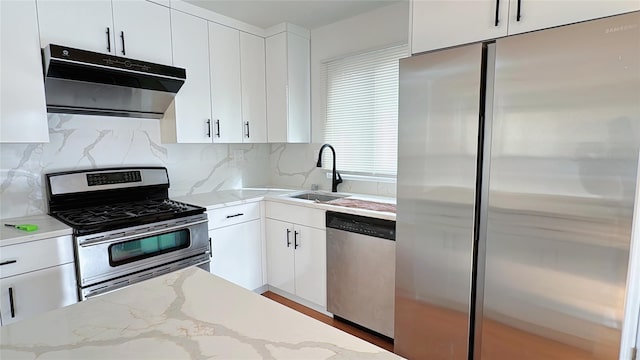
(133, 250)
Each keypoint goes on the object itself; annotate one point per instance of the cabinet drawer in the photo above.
(296, 214)
(35, 255)
(231, 215)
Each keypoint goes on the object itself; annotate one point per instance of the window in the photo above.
(362, 111)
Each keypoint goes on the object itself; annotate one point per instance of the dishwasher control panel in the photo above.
(380, 228)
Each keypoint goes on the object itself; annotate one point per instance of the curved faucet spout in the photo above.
(335, 178)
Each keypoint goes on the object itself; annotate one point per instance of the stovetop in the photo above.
(121, 215)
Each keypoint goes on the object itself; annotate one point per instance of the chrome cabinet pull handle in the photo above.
(518, 13)
(108, 40)
(497, 12)
(218, 128)
(236, 215)
(247, 125)
(295, 240)
(288, 241)
(13, 309)
(210, 249)
(8, 262)
(209, 128)
(122, 37)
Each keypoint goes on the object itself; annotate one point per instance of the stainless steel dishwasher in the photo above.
(361, 257)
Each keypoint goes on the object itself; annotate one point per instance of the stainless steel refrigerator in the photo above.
(516, 182)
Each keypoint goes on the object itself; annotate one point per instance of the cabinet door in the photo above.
(254, 97)
(535, 14)
(37, 292)
(280, 268)
(143, 31)
(224, 62)
(23, 113)
(311, 264)
(443, 23)
(299, 89)
(190, 37)
(237, 254)
(276, 62)
(86, 25)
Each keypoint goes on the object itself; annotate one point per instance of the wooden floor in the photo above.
(364, 335)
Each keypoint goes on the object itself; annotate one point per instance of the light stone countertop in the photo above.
(188, 314)
(219, 199)
(343, 209)
(48, 227)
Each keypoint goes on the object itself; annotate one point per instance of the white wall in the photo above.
(294, 165)
(80, 142)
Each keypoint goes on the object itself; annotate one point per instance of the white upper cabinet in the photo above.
(23, 112)
(288, 88)
(224, 62)
(223, 99)
(192, 120)
(439, 24)
(254, 97)
(142, 31)
(136, 29)
(86, 25)
(529, 15)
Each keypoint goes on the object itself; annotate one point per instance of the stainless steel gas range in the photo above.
(125, 228)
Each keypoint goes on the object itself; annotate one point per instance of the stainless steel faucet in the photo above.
(336, 178)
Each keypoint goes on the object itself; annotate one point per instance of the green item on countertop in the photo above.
(24, 227)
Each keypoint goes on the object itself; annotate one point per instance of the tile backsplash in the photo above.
(81, 142)
(294, 165)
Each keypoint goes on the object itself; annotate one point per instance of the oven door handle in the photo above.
(140, 235)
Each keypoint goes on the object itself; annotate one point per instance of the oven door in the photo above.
(122, 252)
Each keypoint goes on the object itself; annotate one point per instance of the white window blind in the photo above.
(362, 111)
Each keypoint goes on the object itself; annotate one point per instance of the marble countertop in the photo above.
(283, 198)
(188, 314)
(48, 227)
(218, 199)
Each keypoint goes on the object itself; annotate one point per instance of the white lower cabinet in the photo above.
(236, 242)
(35, 277)
(280, 263)
(297, 255)
(26, 295)
(237, 254)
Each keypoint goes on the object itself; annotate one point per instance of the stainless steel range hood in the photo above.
(84, 82)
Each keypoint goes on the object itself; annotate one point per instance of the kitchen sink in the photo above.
(316, 196)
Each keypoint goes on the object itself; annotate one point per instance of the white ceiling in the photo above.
(309, 14)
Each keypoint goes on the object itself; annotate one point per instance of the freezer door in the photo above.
(437, 153)
(564, 154)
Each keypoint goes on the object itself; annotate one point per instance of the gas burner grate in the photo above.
(104, 214)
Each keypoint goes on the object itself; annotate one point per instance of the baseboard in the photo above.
(299, 300)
